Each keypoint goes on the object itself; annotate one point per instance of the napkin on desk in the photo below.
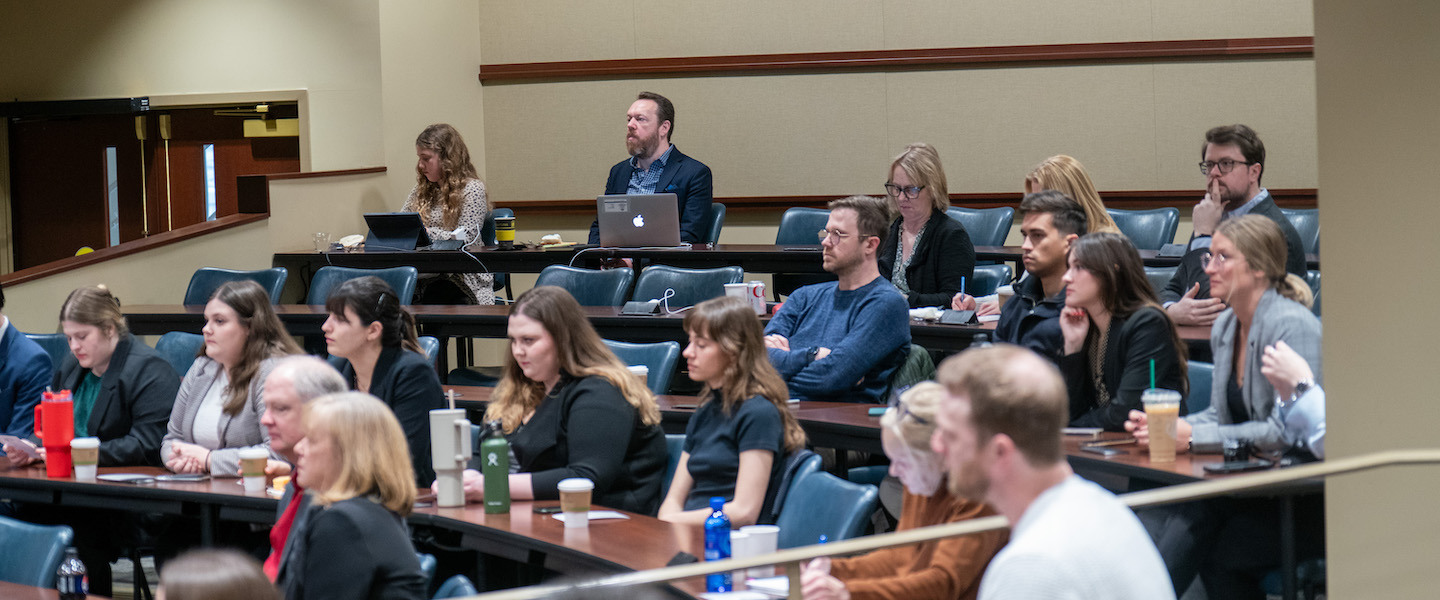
(594, 515)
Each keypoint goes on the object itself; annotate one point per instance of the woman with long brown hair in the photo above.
(736, 442)
(570, 408)
(449, 196)
(217, 412)
(1114, 330)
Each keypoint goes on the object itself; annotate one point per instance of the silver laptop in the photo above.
(640, 220)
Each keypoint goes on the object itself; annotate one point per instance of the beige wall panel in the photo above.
(1190, 98)
(992, 126)
(758, 27)
(549, 30)
(157, 276)
(300, 208)
(1376, 85)
(422, 85)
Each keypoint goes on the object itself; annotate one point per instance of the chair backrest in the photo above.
(800, 226)
(402, 279)
(1312, 277)
(986, 226)
(427, 567)
(714, 222)
(822, 504)
(797, 464)
(32, 552)
(429, 344)
(589, 287)
(54, 344)
(660, 357)
(674, 446)
(1147, 229)
(457, 586)
(918, 367)
(692, 286)
(1159, 277)
(206, 279)
(1199, 398)
(180, 349)
(1307, 222)
(987, 278)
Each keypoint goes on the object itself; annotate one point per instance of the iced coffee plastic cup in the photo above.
(85, 453)
(252, 468)
(1162, 411)
(575, 501)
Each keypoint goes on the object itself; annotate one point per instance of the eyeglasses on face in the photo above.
(911, 192)
(904, 409)
(1218, 259)
(840, 236)
(1226, 165)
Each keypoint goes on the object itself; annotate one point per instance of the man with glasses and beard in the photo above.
(1232, 161)
(656, 166)
(840, 341)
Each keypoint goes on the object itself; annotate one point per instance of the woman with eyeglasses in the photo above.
(1115, 334)
(927, 254)
(736, 442)
(376, 335)
(1266, 305)
(942, 569)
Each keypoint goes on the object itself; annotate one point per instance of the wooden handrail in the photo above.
(793, 558)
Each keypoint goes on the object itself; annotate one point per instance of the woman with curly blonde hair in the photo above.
(449, 196)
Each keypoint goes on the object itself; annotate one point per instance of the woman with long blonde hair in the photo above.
(736, 442)
(570, 408)
(1067, 176)
(450, 197)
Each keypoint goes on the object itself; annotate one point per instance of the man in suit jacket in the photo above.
(25, 370)
(1233, 163)
(656, 166)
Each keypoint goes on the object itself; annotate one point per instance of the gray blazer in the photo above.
(1276, 318)
(236, 432)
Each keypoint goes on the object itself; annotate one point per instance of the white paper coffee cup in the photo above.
(575, 501)
(763, 539)
(252, 468)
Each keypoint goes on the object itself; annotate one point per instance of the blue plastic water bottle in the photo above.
(717, 545)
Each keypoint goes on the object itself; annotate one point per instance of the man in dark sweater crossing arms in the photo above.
(842, 340)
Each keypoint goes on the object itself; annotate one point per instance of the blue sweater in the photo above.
(866, 329)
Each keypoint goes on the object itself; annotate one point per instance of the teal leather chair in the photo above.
(206, 279)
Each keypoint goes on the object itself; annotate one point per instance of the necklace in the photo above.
(1098, 343)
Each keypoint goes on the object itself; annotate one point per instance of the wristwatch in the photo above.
(1301, 387)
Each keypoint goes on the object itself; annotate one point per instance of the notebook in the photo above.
(631, 221)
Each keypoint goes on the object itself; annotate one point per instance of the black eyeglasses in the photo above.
(911, 192)
(1226, 165)
(903, 409)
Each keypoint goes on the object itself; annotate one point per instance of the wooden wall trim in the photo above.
(967, 57)
(125, 249)
(316, 174)
(1130, 199)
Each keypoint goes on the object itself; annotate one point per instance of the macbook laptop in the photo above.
(632, 221)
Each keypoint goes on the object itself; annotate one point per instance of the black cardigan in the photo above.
(132, 409)
(585, 428)
(941, 258)
(408, 384)
(1133, 342)
(351, 549)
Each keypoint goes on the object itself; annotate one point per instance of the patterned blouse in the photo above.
(479, 286)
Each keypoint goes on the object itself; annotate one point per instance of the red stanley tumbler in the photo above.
(55, 426)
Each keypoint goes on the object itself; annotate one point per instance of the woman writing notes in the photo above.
(1116, 335)
(368, 327)
(450, 198)
(569, 408)
(927, 254)
(940, 569)
(735, 444)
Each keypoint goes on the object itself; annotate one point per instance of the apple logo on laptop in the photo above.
(639, 220)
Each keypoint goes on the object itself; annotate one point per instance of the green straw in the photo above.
(1152, 373)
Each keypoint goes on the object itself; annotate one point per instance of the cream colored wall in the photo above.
(1376, 65)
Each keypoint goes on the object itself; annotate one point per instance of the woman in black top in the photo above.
(570, 408)
(927, 254)
(736, 442)
(1114, 328)
(369, 328)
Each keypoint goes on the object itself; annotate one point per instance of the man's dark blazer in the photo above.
(687, 178)
(132, 410)
(1191, 272)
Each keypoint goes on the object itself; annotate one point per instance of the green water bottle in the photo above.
(495, 467)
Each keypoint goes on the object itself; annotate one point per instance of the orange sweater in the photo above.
(944, 570)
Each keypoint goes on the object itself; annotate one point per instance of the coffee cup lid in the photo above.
(575, 484)
(254, 453)
(638, 369)
(85, 442)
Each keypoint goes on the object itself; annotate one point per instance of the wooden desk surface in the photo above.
(15, 591)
